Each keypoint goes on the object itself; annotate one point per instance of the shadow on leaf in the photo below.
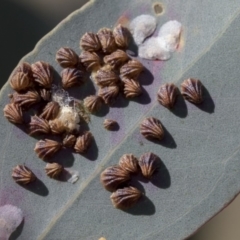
(37, 187)
(92, 152)
(64, 157)
(17, 233)
(167, 141)
(161, 178)
(180, 107)
(146, 77)
(143, 207)
(143, 99)
(207, 105)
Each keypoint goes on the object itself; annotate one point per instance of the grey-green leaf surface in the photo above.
(200, 153)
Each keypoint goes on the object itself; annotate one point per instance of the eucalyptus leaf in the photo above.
(200, 152)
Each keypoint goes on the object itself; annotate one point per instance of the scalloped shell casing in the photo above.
(167, 95)
(129, 163)
(93, 103)
(22, 174)
(50, 111)
(121, 36)
(116, 58)
(191, 90)
(71, 77)
(20, 82)
(113, 176)
(152, 128)
(39, 125)
(67, 58)
(69, 140)
(83, 142)
(47, 148)
(45, 94)
(90, 42)
(108, 93)
(43, 74)
(90, 60)
(132, 88)
(125, 198)
(107, 40)
(109, 124)
(53, 170)
(105, 77)
(13, 113)
(149, 163)
(24, 67)
(57, 126)
(131, 69)
(27, 99)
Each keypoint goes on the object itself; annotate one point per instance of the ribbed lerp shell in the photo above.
(125, 198)
(47, 148)
(107, 40)
(90, 42)
(43, 74)
(121, 36)
(53, 170)
(113, 176)
(22, 174)
(39, 125)
(149, 163)
(129, 163)
(67, 58)
(191, 90)
(152, 128)
(167, 94)
(13, 113)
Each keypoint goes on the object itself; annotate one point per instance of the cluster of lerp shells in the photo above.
(115, 178)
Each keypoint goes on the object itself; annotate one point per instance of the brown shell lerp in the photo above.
(25, 68)
(90, 42)
(116, 58)
(93, 103)
(43, 74)
(67, 58)
(38, 125)
(20, 82)
(69, 140)
(132, 88)
(107, 40)
(13, 113)
(121, 36)
(83, 142)
(191, 90)
(47, 148)
(125, 198)
(105, 77)
(22, 174)
(113, 176)
(131, 69)
(50, 111)
(108, 94)
(109, 124)
(57, 126)
(167, 94)
(149, 163)
(71, 77)
(129, 163)
(151, 128)
(90, 60)
(27, 99)
(53, 170)
(45, 94)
